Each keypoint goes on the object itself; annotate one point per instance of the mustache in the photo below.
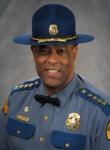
(53, 66)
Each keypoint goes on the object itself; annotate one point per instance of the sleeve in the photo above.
(3, 133)
(103, 135)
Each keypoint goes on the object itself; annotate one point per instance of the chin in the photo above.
(52, 84)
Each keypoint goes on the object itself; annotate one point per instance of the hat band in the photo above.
(39, 40)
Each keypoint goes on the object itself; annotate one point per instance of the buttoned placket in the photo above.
(45, 115)
(48, 111)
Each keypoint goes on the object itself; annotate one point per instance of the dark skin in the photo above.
(55, 65)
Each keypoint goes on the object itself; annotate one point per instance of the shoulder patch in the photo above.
(108, 130)
(28, 85)
(5, 108)
(95, 99)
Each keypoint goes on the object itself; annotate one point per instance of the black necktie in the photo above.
(47, 99)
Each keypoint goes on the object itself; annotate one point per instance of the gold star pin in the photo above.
(94, 97)
(90, 95)
(83, 91)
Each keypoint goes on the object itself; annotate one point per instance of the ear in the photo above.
(33, 52)
(32, 48)
(74, 51)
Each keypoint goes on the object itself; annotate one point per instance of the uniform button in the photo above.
(46, 118)
(67, 145)
(42, 139)
(18, 132)
(26, 109)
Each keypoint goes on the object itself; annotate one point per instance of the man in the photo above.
(58, 110)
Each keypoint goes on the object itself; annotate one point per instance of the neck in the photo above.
(53, 90)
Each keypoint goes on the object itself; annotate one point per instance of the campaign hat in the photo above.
(53, 24)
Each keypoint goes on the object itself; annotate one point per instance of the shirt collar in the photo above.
(64, 94)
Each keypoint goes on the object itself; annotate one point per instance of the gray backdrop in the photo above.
(92, 16)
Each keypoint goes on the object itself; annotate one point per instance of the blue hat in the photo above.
(53, 24)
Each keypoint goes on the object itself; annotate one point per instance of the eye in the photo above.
(42, 50)
(60, 51)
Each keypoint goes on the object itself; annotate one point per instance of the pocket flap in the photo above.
(20, 129)
(68, 141)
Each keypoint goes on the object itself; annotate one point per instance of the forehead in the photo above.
(53, 46)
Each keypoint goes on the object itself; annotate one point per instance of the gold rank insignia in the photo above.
(5, 108)
(73, 121)
(53, 30)
(108, 130)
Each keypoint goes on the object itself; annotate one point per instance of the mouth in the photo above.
(52, 70)
(53, 73)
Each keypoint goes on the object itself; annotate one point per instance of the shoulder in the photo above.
(26, 85)
(95, 97)
(18, 92)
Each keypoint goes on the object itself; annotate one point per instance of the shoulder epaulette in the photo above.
(27, 85)
(95, 99)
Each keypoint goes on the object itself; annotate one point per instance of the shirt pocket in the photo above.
(68, 141)
(20, 129)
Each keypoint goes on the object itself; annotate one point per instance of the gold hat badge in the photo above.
(73, 121)
(53, 29)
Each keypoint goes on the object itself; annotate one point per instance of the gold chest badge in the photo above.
(73, 121)
(108, 131)
(53, 30)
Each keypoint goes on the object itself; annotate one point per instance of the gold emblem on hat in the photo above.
(73, 121)
(108, 131)
(53, 30)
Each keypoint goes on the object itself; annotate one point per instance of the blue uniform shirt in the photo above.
(82, 122)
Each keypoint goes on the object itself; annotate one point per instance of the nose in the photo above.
(53, 57)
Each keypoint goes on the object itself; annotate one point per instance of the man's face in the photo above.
(55, 65)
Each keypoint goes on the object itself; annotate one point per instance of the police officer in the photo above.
(58, 110)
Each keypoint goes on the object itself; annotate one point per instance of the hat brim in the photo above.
(27, 40)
